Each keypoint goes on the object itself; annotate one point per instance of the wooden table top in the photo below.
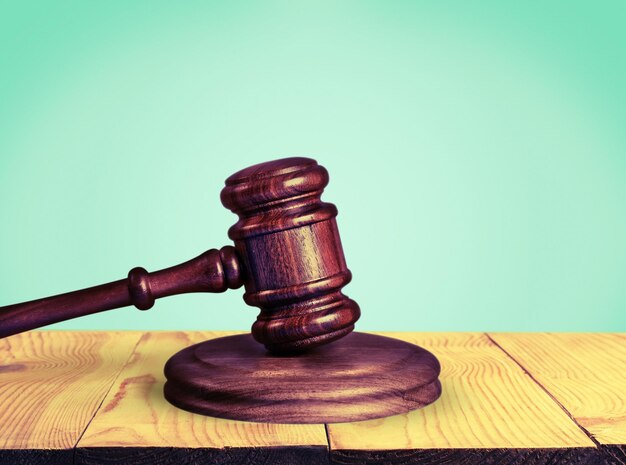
(96, 397)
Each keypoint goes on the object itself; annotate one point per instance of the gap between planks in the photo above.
(552, 396)
(51, 383)
(117, 375)
(586, 372)
(142, 335)
(326, 426)
(160, 429)
(484, 409)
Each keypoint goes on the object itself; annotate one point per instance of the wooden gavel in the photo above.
(287, 253)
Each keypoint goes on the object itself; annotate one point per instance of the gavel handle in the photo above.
(213, 271)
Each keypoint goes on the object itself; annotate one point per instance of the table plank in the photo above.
(51, 385)
(490, 412)
(136, 425)
(5, 351)
(586, 373)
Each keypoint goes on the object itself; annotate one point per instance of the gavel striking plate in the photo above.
(302, 362)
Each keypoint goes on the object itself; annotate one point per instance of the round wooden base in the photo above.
(358, 377)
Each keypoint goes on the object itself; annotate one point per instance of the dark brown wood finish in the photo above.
(359, 377)
(291, 258)
(289, 243)
(213, 271)
(288, 253)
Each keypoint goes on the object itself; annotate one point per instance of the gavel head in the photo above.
(289, 246)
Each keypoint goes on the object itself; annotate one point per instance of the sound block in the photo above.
(358, 377)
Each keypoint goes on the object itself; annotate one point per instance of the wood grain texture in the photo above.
(136, 425)
(585, 373)
(490, 412)
(51, 384)
(213, 271)
(288, 241)
(287, 250)
(5, 351)
(359, 377)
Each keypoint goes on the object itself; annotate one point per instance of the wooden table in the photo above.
(96, 397)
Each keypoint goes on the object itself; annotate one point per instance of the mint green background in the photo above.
(477, 151)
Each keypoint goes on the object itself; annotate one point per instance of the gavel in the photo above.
(287, 253)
